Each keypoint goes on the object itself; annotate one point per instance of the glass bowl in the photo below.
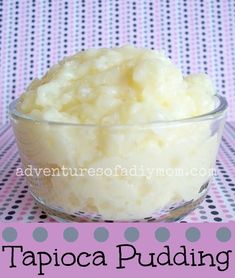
(151, 172)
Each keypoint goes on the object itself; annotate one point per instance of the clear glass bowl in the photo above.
(151, 172)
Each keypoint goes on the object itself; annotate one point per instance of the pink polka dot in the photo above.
(52, 220)
(225, 210)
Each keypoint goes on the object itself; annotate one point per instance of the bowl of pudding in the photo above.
(118, 135)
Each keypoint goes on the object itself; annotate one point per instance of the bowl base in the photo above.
(169, 214)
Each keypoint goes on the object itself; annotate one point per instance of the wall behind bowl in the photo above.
(198, 35)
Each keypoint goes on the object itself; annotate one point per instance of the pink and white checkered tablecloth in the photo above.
(198, 35)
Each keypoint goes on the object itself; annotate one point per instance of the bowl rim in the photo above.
(219, 111)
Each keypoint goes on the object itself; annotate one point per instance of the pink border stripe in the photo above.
(113, 252)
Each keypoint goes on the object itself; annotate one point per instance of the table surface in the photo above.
(197, 35)
(16, 203)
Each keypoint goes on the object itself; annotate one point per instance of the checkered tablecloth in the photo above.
(198, 35)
